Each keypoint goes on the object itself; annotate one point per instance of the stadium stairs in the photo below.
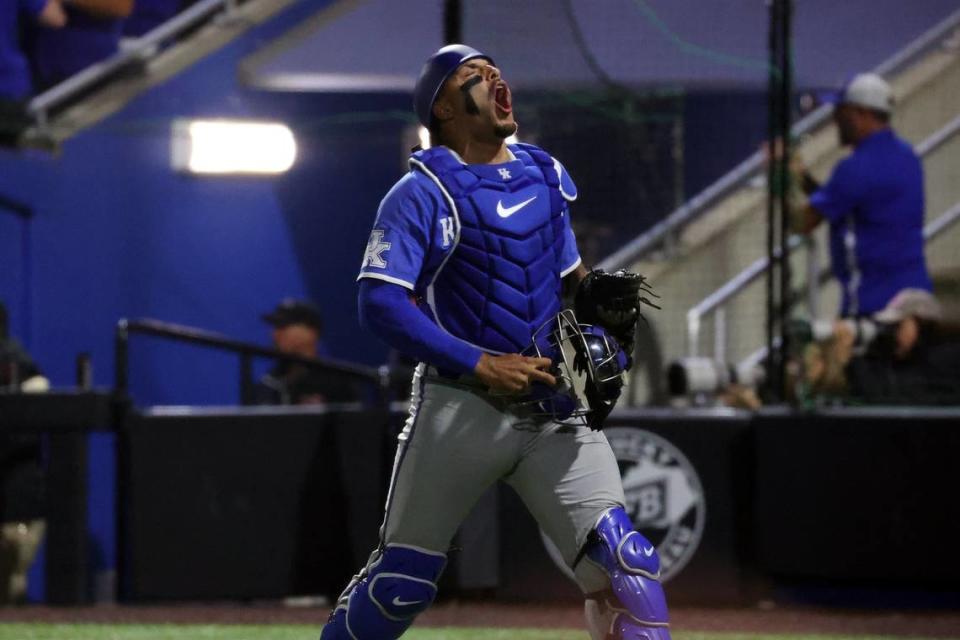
(114, 82)
(730, 235)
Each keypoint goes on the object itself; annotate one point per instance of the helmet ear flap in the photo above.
(441, 110)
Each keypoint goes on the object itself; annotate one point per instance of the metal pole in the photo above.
(26, 294)
(772, 167)
(452, 22)
(693, 332)
(720, 335)
(246, 378)
(121, 344)
(786, 91)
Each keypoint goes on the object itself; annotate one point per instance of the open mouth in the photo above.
(502, 98)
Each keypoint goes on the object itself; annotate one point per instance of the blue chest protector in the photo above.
(501, 280)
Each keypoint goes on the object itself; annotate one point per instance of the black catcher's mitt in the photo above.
(612, 300)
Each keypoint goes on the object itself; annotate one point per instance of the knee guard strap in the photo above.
(383, 604)
(633, 566)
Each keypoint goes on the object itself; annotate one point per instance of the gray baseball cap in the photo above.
(863, 90)
(910, 302)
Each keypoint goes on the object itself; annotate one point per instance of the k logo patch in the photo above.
(373, 256)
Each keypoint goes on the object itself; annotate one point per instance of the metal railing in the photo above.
(714, 303)
(662, 232)
(42, 105)
(246, 351)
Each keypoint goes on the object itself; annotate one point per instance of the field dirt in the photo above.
(939, 624)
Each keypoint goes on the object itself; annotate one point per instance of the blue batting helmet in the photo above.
(435, 72)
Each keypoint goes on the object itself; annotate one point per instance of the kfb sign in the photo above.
(663, 494)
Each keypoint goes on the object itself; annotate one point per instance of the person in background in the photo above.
(297, 329)
(22, 506)
(873, 201)
(915, 358)
(15, 83)
(92, 34)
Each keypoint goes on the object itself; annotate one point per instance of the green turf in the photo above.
(251, 632)
(302, 632)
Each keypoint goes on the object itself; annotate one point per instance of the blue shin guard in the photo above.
(636, 597)
(383, 603)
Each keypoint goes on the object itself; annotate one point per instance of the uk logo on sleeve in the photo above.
(449, 231)
(373, 256)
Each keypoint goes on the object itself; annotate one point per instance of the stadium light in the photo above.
(224, 147)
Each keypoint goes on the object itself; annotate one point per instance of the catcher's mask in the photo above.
(589, 367)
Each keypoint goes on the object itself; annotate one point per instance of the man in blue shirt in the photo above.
(873, 201)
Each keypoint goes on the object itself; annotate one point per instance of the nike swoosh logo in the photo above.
(397, 602)
(509, 211)
(648, 551)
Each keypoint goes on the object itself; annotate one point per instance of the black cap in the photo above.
(292, 311)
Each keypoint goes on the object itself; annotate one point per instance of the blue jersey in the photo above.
(482, 247)
(874, 202)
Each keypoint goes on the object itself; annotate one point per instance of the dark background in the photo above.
(291, 504)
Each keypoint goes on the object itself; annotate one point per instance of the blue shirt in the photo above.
(14, 72)
(874, 203)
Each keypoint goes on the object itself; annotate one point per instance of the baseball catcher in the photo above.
(468, 258)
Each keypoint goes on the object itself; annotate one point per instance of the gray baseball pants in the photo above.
(459, 440)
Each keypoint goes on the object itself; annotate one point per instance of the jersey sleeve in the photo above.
(841, 194)
(398, 243)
